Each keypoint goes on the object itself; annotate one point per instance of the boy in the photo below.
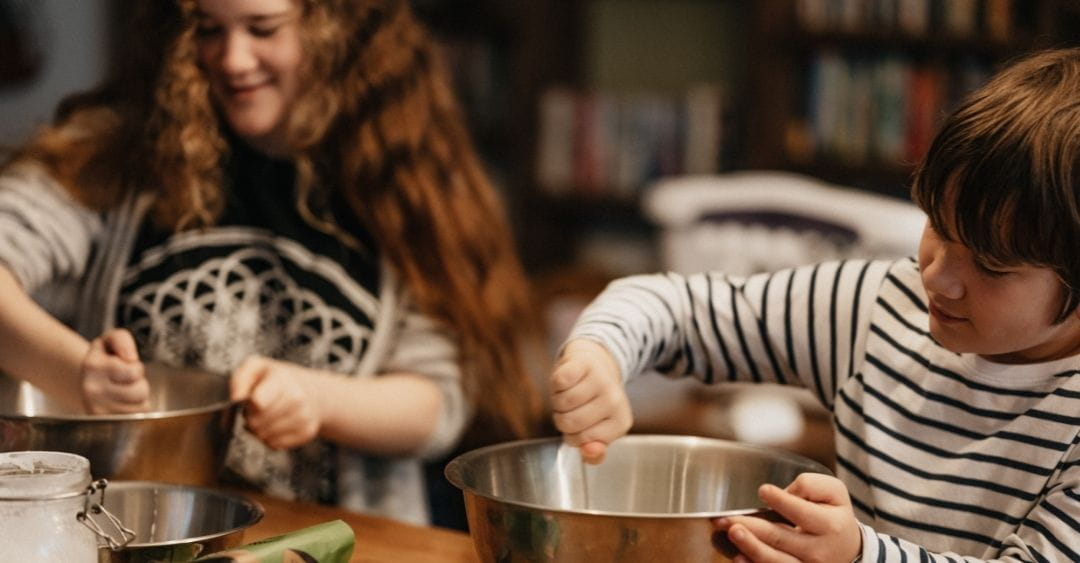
(952, 378)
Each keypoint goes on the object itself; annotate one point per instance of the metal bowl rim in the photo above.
(149, 415)
(254, 506)
(454, 469)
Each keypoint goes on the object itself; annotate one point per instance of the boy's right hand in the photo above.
(590, 404)
(113, 378)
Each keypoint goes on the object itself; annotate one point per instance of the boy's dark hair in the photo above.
(1003, 164)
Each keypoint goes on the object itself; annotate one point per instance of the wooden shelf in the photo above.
(937, 45)
(782, 126)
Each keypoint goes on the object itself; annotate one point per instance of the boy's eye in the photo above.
(989, 270)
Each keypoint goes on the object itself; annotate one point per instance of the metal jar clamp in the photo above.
(92, 509)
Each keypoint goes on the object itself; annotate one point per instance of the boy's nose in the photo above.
(941, 276)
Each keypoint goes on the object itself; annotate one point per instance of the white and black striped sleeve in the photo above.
(803, 326)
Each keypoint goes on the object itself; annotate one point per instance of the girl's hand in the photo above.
(113, 379)
(823, 529)
(591, 407)
(281, 409)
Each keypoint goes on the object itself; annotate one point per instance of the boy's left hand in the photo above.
(823, 526)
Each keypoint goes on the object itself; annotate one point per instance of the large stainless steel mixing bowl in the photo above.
(650, 500)
(182, 439)
(175, 522)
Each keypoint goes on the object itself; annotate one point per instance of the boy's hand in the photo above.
(281, 409)
(823, 527)
(113, 379)
(590, 404)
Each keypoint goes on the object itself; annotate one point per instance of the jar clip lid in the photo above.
(91, 508)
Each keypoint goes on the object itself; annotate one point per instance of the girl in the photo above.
(282, 190)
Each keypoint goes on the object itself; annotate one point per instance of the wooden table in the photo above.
(377, 539)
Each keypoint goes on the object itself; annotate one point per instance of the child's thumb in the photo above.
(120, 343)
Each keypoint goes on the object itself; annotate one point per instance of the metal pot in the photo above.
(650, 500)
(182, 439)
(175, 522)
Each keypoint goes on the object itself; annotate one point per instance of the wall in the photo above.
(71, 36)
(650, 45)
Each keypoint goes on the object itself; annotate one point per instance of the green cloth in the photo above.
(329, 542)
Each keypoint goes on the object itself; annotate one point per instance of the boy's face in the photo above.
(1004, 313)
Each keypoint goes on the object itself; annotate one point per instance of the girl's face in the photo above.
(251, 53)
(1004, 313)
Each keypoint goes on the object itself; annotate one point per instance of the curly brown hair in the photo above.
(376, 121)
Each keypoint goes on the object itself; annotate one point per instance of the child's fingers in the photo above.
(110, 384)
(284, 440)
(600, 406)
(605, 431)
(102, 359)
(581, 418)
(287, 431)
(593, 452)
(567, 375)
(267, 397)
(120, 343)
(122, 408)
(585, 391)
(266, 426)
(102, 396)
(118, 373)
(134, 392)
(760, 540)
(278, 413)
(797, 510)
(817, 487)
(244, 378)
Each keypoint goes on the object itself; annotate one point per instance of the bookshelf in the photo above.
(848, 91)
(650, 98)
(851, 92)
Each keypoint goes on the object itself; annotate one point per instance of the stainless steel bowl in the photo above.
(650, 500)
(182, 439)
(175, 522)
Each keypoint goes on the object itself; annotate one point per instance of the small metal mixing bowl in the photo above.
(175, 522)
(650, 500)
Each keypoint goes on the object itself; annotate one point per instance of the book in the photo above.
(555, 143)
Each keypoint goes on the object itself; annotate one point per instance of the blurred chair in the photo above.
(747, 222)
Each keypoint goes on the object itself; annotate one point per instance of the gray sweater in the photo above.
(73, 261)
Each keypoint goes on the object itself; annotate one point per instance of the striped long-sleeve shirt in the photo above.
(948, 457)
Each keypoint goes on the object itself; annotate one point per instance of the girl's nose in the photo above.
(236, 54)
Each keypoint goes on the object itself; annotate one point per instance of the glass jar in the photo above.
(41, 494)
